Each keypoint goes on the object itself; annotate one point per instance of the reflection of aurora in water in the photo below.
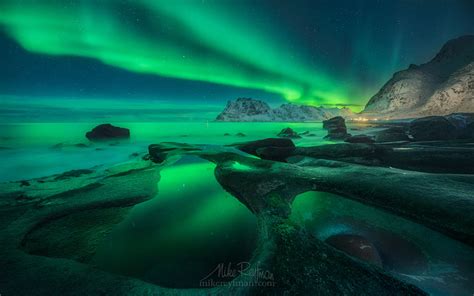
(181, 235)
(450, 264)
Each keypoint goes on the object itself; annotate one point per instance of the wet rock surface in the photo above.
(439, 128)
(297, 262)
(336, 128)
(360, 139)
(432, 128)
(392, 134)
(252, 147)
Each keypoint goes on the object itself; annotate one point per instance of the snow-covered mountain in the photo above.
(442, 86)
(247, 109)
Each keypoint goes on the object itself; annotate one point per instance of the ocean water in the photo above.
(31, 150)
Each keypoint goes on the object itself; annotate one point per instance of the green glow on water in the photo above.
(241, 167)
(29, 153)
(186, 40)
(181, 235)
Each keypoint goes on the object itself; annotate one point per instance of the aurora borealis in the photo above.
(316, 53)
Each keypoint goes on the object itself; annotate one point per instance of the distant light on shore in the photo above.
(363, 119)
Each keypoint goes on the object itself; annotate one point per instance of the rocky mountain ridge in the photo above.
(248, 109)
(442, 86)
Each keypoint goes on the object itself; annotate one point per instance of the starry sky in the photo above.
(331, 53)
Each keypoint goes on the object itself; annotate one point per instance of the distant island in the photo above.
(252, 110)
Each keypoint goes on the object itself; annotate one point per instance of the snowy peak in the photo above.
(247, 109)
(250, 107)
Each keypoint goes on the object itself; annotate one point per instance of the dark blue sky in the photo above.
(357, 42)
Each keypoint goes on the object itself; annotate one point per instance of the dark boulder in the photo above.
(336, 128)
(470, 130)
(240, 134)
(288, 133)
(460, 120)
(253, 146)
(432, 128)
(275, 153)
(436, 158)
(360, 153)
(464, 123)
(360, 139)
(392, 134)
(107, 131)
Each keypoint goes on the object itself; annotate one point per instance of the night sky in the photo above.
(313, 52)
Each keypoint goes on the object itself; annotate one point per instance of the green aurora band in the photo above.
(185, 40)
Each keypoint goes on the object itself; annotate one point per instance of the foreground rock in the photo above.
(417, 196)
(438, 157)
(72, 218)
(247, 109)
(464, 123)
(360, 139)
(107, 131)
(334, 168)
(271, 148)
(336, 128)
(433, 157)
(439, 87)
(440, 128)
(453, 127)
(392, 134)
(432, 128)
(356, 246)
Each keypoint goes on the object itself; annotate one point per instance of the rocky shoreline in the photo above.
(429, 183)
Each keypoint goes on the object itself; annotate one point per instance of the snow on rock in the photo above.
(247, 109)
(442, 86)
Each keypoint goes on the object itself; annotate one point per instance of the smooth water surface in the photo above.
(31, 150)
(183, 234)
